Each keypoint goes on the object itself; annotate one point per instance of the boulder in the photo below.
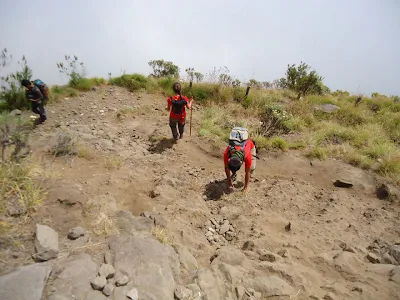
(387, 192)
(15, 112)
(72, 276)
(121, 279)
(152, 267)
(183, 293)
(229, 256)
(343, 183)
(187, 260)
(25, 283)
(272, 286)
(46, 243)
(127, 223)
(327, 108)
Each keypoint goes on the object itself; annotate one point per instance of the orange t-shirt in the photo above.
(247, 154)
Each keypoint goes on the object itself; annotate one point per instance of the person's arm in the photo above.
(169, 104)
(189, 104)
(248, 163)
(37, 94)
(228, 176)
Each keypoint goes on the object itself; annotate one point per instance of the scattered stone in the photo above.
(357, 289)
(248, 245)
(15, 112)
(108, 258)
(288, 227)
(27, 282)
(372, 258)
(388, 259)
(106, 271)
(342, 184)
(195, 288)
(133, 294)
(108, 289)
(394, 251)
(239, 291)
(225, 227)
(329, 296)
(183, 293)
(76, 232)
(283, 253)
(98, 283)
(268, 256)
(46, 243)
(229, 236)
(121, 279)
(15, 207)
(257, 295)
(272, 286)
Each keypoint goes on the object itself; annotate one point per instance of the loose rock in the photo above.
(182, 293)
(248, 245)
(329, 296)
(108, 258)
(394, 251)
(133, 294)
(121, 279)
(46, 243)
(106, 271)
(76, 232)
(98, 283)
(372, 258)
(343, 184)
(108, 289)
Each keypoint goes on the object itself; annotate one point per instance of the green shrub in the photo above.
(132, 82)
(279, 143)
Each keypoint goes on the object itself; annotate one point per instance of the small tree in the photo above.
(302, 80)
(255, 84)
(225, 79)
(11, 90)
(163, 68)
(74, 69)
(190, 73)
(279, 84)
(236, 82)
(199, 77)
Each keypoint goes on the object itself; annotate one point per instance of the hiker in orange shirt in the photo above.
(176, 106)
(241, 150)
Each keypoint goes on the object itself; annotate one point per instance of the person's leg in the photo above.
(181, 127)
(42, 112)
(172, 124)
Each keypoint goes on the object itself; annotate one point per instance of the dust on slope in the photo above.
(132, 165)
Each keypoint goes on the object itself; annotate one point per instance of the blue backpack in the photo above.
(42, 87)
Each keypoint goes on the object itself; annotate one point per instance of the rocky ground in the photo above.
(133, 216)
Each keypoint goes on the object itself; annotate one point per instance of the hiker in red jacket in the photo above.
(176, 106)
(241, 149)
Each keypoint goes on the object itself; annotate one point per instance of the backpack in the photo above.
(42, 87)
(237, 141)
(178, 105)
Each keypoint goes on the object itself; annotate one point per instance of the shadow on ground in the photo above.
(216, 189)
(162, 145)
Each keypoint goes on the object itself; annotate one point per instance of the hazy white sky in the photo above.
(352, 43)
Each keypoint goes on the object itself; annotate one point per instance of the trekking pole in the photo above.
(191, 111)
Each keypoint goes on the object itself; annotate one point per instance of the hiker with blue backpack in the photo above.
(177, 105)
(37, 94)
(241, 149)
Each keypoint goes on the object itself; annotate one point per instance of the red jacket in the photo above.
(174, 115)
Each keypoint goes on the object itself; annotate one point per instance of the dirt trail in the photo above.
(136, 168)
